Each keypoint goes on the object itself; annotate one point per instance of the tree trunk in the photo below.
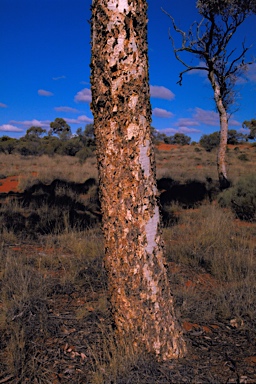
(221, 156)
(139, 289)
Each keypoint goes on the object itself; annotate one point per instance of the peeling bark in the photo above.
(139, 288)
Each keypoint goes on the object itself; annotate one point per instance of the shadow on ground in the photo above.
(44, 209)
(187, 195)
(51, 208)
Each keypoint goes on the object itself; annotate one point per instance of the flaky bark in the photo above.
(140, 296)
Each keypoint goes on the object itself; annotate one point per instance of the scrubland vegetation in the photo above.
(55, 320)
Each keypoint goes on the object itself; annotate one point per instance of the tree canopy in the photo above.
(252, 126)
(35, 132)
(60, 127)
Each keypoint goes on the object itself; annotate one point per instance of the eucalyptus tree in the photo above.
(210, 40)
(35, 132)
(251, 125)
(61, 128)
(139, 289)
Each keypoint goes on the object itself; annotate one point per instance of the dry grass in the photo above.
(211, 240)
(186, 162)
(32, 278)
(24, 316)
(113, 360)
(46, 169)
(59, 273)
(180, 163)
(214, 240)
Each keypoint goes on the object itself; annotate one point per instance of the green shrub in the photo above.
(211, 141)
(84, 153)
(241, 198)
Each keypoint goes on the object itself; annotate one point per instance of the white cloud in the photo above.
(158, 112)
(161, 92)
(84, 118)
(84, 96)
(200, 72)
(66, 109)
(2, 105)
(234, 123)
(79, 120)
(30, 123)
(211, 118)
(251, 72)
(59, 78)
(43, 92)
(71, 121)
(241, 80)
(188, 130)
(185, 130)
(169, 131)
(188, 122)
(248, 74)
(206, 117)
(9, 128)
(244, 130)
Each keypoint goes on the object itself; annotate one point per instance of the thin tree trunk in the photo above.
(221, 156)
(139, 288)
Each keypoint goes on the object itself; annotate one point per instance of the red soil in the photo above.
(187, 326)
(9, 184)
(166, 147)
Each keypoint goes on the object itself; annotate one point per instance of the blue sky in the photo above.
(44, 69)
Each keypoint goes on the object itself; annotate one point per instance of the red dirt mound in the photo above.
(166, 147)
(9, 184)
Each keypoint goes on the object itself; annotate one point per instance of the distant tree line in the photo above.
(211, 141)
(60, 140)
(177, 138)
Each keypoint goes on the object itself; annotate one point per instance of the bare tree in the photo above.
(209, 41)
(139, 289)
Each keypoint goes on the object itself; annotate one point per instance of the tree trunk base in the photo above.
(224, 182)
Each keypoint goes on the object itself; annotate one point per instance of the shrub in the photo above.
(243, 157)
(84, 153)
(241, 198)
(209, 142)
(29, 148)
